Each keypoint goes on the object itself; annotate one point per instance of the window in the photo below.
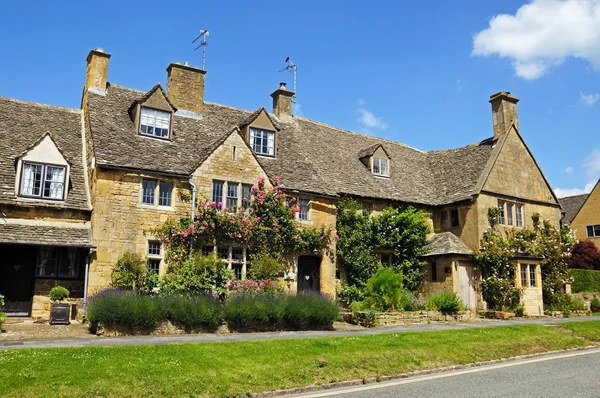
(237, 261)
(155, 123)
(262, 141)
(246, 196)
(444, 219)
(45, 181)
(164, 194)
(303, 213)
(154, 256)
(524, 275)
(148, 191)
(519, 215)
(217, 192)
(385, 259)
(454, 218)
(433, 271)
(381, 167)
(501, 216)
(232, 195)
(58, 262)
(593, 231)
(223, 253)
(509, 213)
(366, 208)
(234, 257)
(532, 275)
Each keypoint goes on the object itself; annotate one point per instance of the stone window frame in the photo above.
(516, 217)
(43, 180)
(594, 229)
(242, 188)
(154, 259)
(140, 132)
(157, 195)
(229, 260)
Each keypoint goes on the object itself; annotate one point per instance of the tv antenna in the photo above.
(203, 35)
(292, 67)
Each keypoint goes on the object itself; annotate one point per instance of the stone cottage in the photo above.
(91, 181)
(582, 214)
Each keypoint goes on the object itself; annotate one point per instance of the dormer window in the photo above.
(43, 181)
(155, 123)
(262, 141)
(380, 167)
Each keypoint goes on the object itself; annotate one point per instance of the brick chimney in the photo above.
(282, 102)
(504, 112)
(97, 69)
(185, 87)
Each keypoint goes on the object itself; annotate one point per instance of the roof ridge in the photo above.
(39, 104)
(574, 196)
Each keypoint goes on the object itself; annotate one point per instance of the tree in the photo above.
(585, 255)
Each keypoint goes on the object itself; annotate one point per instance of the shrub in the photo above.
(59, 293)
(444, 302)
(348, 294)
(244, 310)
(585, 280)
(125, 309)
(585, 255)
(129, 272)
(248, 285)
(520, 310)
(305, 310)
(384, 290)
(264, 266)
(2, 314)
(199, 276)
(578, 305)
(595, 305)
(192, 311)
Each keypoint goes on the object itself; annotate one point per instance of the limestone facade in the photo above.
(588, 216)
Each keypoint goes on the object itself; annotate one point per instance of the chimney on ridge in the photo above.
(282, 102)
(97, 69)
(504, 112)
(185, 87)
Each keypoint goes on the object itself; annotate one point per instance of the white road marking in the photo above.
(482, 368)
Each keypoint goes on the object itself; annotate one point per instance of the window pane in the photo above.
(376, 168)
(532, 278)
(524, 275)
(155, 122)
(384, 167)
(303, 214)
(223, 253)
(154, 248)
(164, 194)
(444, 219)
(237, 254)
(519, 215)
(454, 218)
(148, 190)
(237, 270)
(153, 265)
(31, 181)
(501, 216)
(68, 262)
(54, 182)
(509, 213)
(232, 195)
(246, 195)
(262, 141)
(596, 230)
(46, 261)
(217, 193)
(433, 269)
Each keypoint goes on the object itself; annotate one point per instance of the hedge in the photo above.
(585, 280)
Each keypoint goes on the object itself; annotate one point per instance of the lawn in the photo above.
(588, 330)
(220, 369)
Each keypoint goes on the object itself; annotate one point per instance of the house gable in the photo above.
(588, 214)
(154, 99)
(515, 162)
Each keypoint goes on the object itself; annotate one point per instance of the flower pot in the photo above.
(59, 314)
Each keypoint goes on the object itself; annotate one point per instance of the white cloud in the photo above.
(542, 34)
(588, 99)
(569, 170)
(592, 164)
(368, 118)
(563, 192)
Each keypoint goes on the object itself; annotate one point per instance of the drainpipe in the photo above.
(193, 210)
(85, 282)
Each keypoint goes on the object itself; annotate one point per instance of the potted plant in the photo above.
(59, 312)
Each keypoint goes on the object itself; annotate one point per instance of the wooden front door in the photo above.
(467, 282)
(309, 273)
(17, 267)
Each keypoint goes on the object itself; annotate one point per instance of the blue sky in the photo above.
(416, 72)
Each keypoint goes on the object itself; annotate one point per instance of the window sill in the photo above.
(40, 199)
(262, 155)
(381, 176)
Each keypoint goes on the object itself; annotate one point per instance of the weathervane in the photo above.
(292, 67)
(203, 35)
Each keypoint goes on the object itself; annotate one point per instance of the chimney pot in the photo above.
(282, 86)
(282, 102)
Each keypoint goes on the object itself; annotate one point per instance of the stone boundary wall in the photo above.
(586, 297)
(404, 317)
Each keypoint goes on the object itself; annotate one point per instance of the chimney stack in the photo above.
(282, 102)
(97, 69)
(504, 112)
(185, 87)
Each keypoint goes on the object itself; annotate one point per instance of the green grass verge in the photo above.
(220, 369)
(588, 330)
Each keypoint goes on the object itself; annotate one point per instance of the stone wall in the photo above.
(407, 317)
(589, 214)
(41, 301)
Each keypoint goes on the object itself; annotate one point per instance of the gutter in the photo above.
(85, 282)
(193, 213)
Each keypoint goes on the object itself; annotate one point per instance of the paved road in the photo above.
(565, 375)
(209, 337)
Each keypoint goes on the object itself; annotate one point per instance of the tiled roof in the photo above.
(571, 206)
(447, 243)
(44, 235)
(22, 125)
(311, 156)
